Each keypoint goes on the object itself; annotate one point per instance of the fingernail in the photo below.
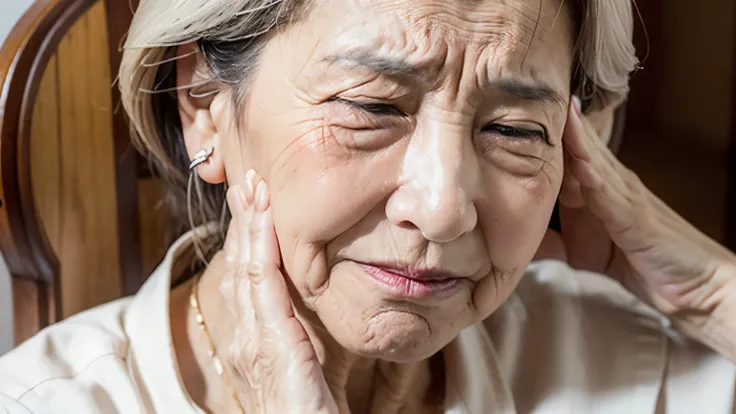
(261, 196)
(249, 191)
(577, 104)
(249, 175)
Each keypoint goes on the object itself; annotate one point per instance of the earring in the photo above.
(201, 157)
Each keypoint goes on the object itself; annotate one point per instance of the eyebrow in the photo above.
(401, 68)
(379, 64)
(529, 92)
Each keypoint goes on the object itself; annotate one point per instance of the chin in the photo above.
(396, 336)
(392, 335)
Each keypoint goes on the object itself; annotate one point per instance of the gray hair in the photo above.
(231, 35)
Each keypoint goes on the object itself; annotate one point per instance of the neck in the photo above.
(358, 384)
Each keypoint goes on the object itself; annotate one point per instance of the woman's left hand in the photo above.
(613, 224)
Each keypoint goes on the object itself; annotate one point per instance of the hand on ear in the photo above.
(199, 109)
(602, 122)
(552, 246)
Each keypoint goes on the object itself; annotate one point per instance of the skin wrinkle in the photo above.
(488, 27)
(534, 32)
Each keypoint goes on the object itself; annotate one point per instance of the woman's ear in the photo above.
(195, 94)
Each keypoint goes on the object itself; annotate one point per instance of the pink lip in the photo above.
(417, 284)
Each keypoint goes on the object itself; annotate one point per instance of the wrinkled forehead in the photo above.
(496, 22)
(528, 34)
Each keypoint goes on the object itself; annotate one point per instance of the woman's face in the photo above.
(413, 152)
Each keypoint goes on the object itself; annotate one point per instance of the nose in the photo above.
(437, 186)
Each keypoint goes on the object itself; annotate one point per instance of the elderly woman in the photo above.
(391, 168)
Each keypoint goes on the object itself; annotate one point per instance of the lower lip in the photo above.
(408, 287)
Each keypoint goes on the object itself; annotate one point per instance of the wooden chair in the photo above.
(731, 160)
(70, 191)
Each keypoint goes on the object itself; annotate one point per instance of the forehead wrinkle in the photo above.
(427, 40)
(493, 22)
(505, 30)
(453, 23)
(376, 63)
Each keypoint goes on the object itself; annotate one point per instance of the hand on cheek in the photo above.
(272, 349)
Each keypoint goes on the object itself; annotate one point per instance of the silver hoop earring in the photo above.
(201, 157)
(198, 159)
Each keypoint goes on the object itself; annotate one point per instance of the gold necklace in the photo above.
(212, 351)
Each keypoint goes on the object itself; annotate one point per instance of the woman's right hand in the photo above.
(273, 364)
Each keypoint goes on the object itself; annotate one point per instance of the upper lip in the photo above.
(416, 273)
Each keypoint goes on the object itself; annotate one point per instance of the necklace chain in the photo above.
(212, 350)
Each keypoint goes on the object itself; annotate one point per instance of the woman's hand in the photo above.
(612, 224)
(272, 361)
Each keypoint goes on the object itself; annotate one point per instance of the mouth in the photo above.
(415, 283)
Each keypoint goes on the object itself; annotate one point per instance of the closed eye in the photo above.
(515, 132)
(380, 109)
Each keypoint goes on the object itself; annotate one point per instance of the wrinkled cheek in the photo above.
(491, 292)
(513, 219)
(317, 193)
(302, 253)
(295, 182)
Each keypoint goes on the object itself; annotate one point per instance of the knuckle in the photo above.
(636, 188)
(259, 272)
(256, 273)
(255, 229)
(239, 274)
(631, 178)
(251, 363)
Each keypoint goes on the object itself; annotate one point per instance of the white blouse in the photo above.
(565, 342)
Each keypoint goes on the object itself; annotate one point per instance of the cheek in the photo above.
(318, 192)
(513, 216)
(514, 219)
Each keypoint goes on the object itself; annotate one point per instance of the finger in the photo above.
(607, 198)
(611, 207)
(245, 217)
(618, 177)
(574, 137)
(239, 200)
(585, 174)
(612, 192)
(231, 238)
(269, 292)
(605, 162)
(231, 286)
(593, 168)
(570, 195)
(584, 145)
(609, 165)
(265, 244)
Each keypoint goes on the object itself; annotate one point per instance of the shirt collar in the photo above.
(148, 325)
(474, 382)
